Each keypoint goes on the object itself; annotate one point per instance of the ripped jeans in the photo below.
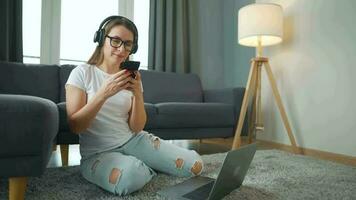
(129, 167)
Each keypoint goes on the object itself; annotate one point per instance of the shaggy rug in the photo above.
(273, 174)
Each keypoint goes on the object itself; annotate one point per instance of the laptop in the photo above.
(230, 177)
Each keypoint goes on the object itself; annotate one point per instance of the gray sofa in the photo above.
(179, 108)
(28, 122)
(176, 104)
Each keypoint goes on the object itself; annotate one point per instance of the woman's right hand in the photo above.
(117, 82)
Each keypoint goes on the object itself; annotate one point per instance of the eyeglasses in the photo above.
(117, 42)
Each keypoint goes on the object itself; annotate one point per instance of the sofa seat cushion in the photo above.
(65, 136)
(151, 112)
(193, 115)
(151, 109)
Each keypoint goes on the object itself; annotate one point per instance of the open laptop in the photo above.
(230, 177)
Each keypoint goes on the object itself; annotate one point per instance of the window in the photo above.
(141, 19)
(78, 22)
(78, 26)
(31, 30)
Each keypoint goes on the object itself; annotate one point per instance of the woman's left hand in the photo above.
(136, 85)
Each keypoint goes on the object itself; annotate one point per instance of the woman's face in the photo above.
(117, 45)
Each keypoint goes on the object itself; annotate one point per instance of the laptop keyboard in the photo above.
(201, 192)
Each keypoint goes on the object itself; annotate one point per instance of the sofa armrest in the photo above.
(28, 127)
(233, 96)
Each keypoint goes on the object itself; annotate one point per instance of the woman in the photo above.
(105, 107)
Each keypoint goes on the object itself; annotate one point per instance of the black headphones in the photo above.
(100, 33)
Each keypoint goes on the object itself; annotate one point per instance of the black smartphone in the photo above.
(132, 66)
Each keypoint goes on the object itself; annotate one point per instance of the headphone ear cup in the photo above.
(99, 37)
(96, 36)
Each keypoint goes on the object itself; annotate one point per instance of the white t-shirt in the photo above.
(110, 128)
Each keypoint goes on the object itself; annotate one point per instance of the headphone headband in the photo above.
(100, 33)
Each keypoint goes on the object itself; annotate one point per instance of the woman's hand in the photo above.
(136, 85)
(117, 82)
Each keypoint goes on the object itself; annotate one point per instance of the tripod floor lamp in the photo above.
(260, 25)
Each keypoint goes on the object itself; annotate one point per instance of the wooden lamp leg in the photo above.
(280, 106)
(251, 79)
(254, 110)
(259, 121)
(64, 154)
(17, 188)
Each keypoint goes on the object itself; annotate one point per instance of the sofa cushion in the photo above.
(171, 87)
(150, 109)
(64, 72)
(65, 136)
(194, 115)
(151, 112)
(30, 79)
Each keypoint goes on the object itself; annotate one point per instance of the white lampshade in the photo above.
(260, 21)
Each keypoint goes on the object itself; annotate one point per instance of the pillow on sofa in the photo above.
(171, 87)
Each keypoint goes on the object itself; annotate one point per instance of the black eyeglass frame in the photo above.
(126, 43)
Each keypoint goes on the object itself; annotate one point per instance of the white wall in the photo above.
(315, 74)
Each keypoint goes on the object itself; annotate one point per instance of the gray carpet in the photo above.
(273, 175)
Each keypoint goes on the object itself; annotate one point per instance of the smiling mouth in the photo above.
(118, 56)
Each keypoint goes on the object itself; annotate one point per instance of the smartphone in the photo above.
(132, 66)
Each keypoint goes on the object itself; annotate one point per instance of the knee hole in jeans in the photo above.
(179, 163)
(197, 168)
(156, 142)
(114, 175)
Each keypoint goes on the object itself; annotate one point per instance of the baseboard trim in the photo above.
(344, 159)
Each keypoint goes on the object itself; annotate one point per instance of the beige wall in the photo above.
(316, 74)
